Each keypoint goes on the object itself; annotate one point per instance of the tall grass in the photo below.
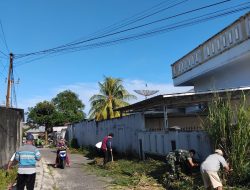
(6, 180)
(229, 129)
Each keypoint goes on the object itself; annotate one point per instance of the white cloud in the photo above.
(86, 90)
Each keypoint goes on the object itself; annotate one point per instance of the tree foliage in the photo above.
(69, 107)
(66, 107)
(112, 95)
(42, 114)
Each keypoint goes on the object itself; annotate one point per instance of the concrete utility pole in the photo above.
(9, 81)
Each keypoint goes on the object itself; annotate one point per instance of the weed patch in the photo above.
(7, 178)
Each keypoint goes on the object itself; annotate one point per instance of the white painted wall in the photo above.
(231, 76)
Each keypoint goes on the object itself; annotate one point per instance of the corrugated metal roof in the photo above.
(183, 99)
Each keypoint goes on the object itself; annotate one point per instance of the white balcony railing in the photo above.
(229, 37)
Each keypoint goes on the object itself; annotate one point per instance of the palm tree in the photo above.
(112, 95)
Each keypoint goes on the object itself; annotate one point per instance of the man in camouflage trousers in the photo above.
(180, 161)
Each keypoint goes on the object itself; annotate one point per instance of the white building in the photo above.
(221, 62)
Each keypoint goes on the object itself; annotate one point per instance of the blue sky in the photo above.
(36, 25)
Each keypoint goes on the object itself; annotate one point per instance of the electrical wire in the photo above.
(4, 39)
(125, 22)
(108, 43)
(151, 33)
(168, 28)
(122, 31)
(3, 53)
(128, 21)
(138, 17)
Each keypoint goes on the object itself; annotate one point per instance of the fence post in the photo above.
(165, 110)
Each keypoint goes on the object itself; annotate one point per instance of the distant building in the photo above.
(221, 62)
(59, 132)
(36, 132)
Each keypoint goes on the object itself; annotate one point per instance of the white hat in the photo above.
(218, 151)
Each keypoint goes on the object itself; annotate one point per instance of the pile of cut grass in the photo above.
(131, 174)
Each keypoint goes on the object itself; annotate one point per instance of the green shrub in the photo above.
(229, 129)
(7, 178)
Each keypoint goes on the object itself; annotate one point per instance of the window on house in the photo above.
(186, 65)
(236, 31)
(224, 41)
(179, 66)
(193, 59)
(230, 37)
(208, 51)
(175, 70)
(197, 57)
(218, 44)
(212, 46)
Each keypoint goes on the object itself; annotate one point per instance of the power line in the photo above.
(129, 21)
(4, 39)
(147, 34)
(3, 53)
(105, 33)
(122, 31)
(150, 33)
(167, 28)
(125, 22)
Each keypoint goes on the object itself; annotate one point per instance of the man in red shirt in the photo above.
(107, 148)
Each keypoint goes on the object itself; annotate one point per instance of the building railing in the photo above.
(229, 37)
(183, 128)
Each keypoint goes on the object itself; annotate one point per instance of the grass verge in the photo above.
(7, 178)
(141, 175)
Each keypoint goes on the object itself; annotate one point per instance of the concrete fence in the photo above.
(10, 132)
(131, 136)
(125, 132)
(160, 143)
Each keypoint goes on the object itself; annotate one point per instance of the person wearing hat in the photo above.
(26, 156)
(210, 167)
